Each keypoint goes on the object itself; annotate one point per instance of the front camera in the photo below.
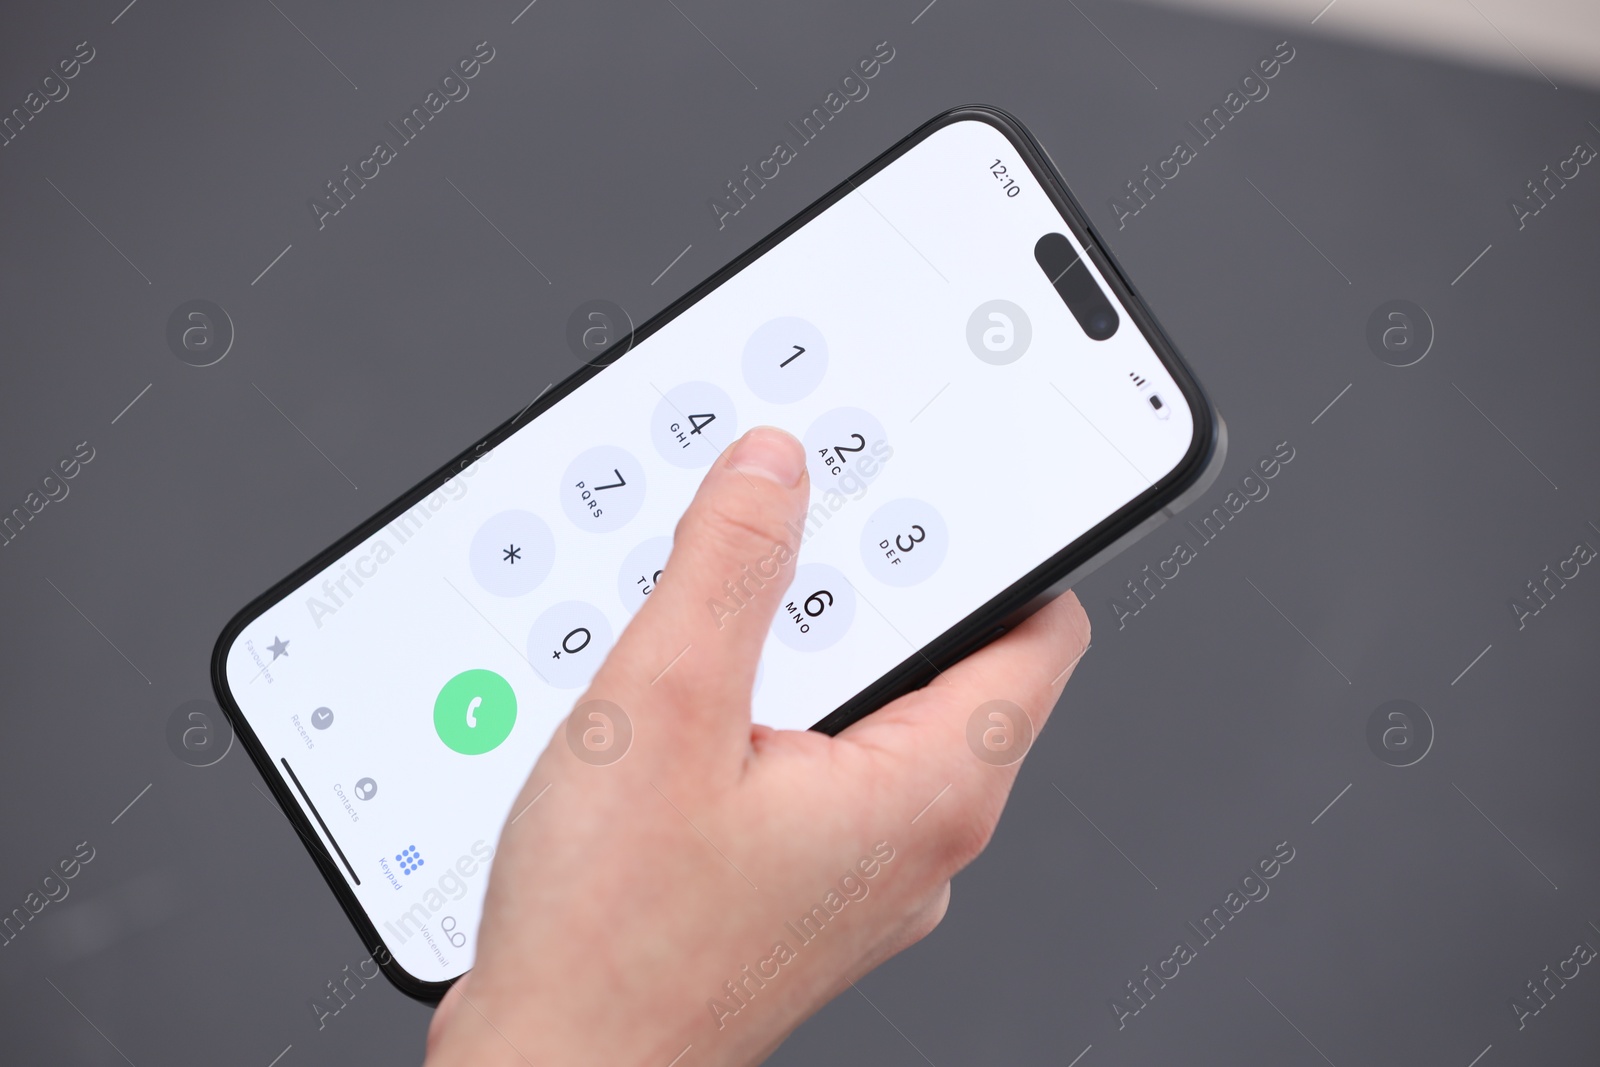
(1070, 275)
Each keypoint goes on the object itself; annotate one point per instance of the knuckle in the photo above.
(927, 918)
(964, 835)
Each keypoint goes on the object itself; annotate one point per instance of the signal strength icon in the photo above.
(1137, 381)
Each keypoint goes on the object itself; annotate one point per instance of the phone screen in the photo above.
(961, 428)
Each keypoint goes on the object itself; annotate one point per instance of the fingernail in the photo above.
(770, 453)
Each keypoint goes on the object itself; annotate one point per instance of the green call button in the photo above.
(475, 712)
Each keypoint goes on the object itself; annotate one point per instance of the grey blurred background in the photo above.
(1229, 715)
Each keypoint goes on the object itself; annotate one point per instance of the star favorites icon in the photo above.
(279, 648)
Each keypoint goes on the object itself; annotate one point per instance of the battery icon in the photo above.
(1157, 405)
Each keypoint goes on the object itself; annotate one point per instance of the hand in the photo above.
(722, 881)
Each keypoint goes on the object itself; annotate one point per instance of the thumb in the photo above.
(693, 648)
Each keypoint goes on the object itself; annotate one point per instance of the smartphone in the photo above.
(988, 410)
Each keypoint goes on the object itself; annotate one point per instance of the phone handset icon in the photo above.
(466, 699)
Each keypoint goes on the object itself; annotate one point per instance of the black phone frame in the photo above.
(985, 624)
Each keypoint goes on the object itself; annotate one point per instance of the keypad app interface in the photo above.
(961, 427)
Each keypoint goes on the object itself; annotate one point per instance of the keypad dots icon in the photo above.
(409, 859)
